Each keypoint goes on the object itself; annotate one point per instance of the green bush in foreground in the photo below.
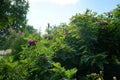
(34, 63)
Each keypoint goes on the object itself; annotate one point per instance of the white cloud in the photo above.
(35, 1)
(60, 2)
(64, 2)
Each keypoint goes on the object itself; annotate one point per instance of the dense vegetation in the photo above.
(85, 49)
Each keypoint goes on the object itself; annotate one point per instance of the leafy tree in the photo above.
(90, 43)
(12, 17)
(13, 13)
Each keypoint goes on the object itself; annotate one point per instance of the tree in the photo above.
(13, 13)
(12, 17)
(90, 43)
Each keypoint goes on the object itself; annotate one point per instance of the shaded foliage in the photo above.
(12, 18)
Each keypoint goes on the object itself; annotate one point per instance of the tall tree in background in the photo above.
(13, 13)
(12, 17)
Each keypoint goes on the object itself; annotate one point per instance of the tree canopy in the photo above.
(12, 20)
(13, 13)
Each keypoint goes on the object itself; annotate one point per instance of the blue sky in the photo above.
(55, 12)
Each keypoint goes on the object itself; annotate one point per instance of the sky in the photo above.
(42, 12)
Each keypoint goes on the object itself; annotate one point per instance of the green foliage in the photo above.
(12, 13)
(95, 60)
(34, 63)
(95, 76)
(61, 73)
(12, 20)
(89, 43)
